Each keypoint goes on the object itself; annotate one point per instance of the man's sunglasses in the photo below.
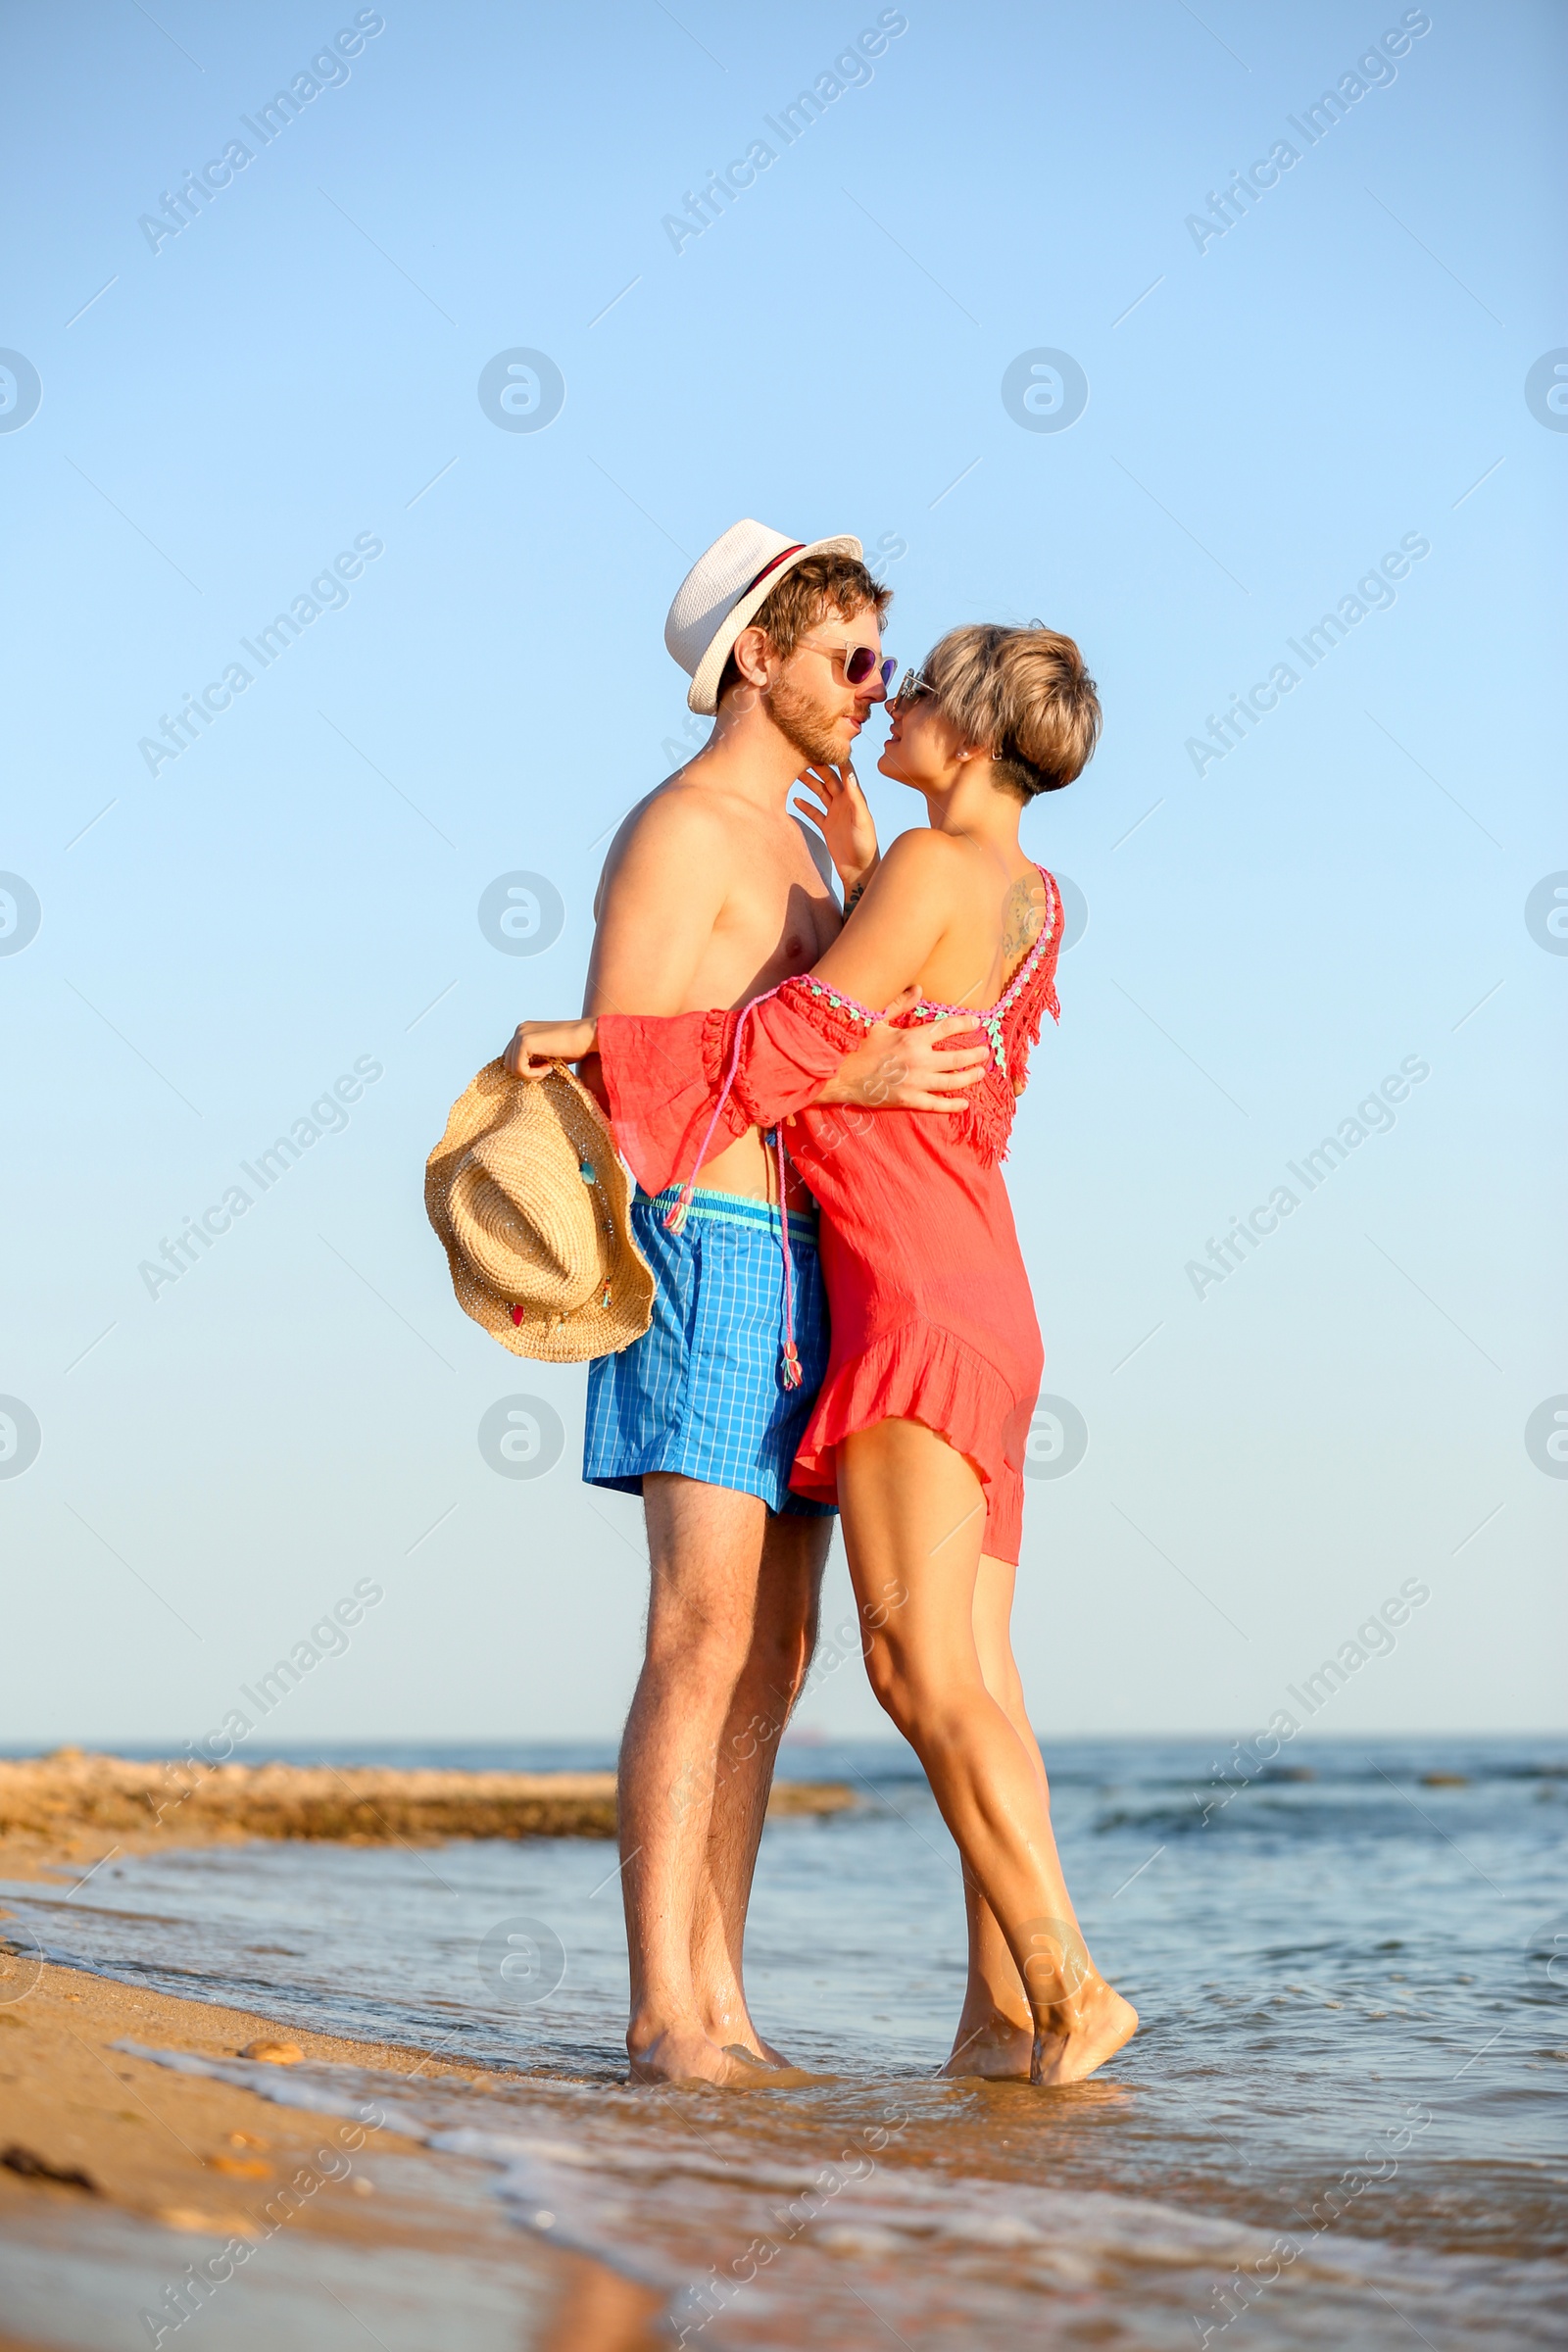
(858, 661)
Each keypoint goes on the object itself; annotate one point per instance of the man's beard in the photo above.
(804, 722)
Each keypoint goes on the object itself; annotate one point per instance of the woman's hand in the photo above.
(536, 1046)
(841, 816)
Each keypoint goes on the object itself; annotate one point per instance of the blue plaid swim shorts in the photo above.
(702, 1392)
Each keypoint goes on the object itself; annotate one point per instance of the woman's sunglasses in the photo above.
(858, 661)
(911, 686)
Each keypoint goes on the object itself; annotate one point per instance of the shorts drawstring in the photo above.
(791, 1359)
(675, 1220)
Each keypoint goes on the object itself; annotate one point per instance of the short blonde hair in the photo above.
(1024, 693)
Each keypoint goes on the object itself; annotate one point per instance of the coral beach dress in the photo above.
(933, 1319)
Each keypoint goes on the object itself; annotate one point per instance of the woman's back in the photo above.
(998, 903)
(950, 913)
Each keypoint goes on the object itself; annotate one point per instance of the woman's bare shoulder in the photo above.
(924, 855)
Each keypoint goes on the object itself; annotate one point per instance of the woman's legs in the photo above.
(995, 2032)
(913, 1513)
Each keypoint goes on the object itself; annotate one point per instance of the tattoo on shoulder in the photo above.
(1022, 914)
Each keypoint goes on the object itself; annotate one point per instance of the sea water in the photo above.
(1341, 2122)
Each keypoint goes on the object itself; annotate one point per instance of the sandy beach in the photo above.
(215, 2173)
(212, 2172)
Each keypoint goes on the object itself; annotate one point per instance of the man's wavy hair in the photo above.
(1025, 695)
(814, 587)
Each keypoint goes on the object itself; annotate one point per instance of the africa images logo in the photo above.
(21, 391)
(521, 390)
(521, 1437)
(21, 914)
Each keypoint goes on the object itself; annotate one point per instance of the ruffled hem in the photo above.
(750, 1092)
(921, 1373)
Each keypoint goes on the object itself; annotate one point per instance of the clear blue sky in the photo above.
(1271, 412)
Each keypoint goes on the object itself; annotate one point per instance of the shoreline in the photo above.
(455, 2242)
(211, 2176)
(82, 2105)
(124, 2168)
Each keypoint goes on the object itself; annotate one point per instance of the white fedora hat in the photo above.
(721, 594)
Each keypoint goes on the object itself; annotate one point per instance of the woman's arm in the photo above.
(898, 923)
(894, 1069)
(877, 958)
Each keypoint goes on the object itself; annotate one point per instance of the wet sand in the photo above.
(186, 2151)
(217, 2176)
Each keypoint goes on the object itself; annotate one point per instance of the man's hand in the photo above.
(845, 823)
(536, 1046)
(909, 1069)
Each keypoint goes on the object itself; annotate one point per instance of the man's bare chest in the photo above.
(778, 915)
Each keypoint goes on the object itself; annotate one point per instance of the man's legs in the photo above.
(723, 1646)
(783, 1638)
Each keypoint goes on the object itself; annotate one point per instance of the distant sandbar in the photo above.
(69, 1799)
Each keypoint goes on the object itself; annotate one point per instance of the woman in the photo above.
(920, 1426)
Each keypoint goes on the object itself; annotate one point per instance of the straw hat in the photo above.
(722, 593)
(527, 1193)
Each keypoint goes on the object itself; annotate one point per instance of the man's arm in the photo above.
(909, 1069)
(658, 904)
(656, 909)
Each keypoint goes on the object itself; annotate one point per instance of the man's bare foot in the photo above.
(1084, 2034)
(683, 2053)
(755, 2055)
(997, 2048)
(727, 2022)
(741, 2038)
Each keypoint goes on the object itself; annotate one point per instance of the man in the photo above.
(711, 894)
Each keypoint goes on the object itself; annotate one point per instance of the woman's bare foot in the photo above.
(997, 2047)
(682, 2053)
(1082, 2034)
